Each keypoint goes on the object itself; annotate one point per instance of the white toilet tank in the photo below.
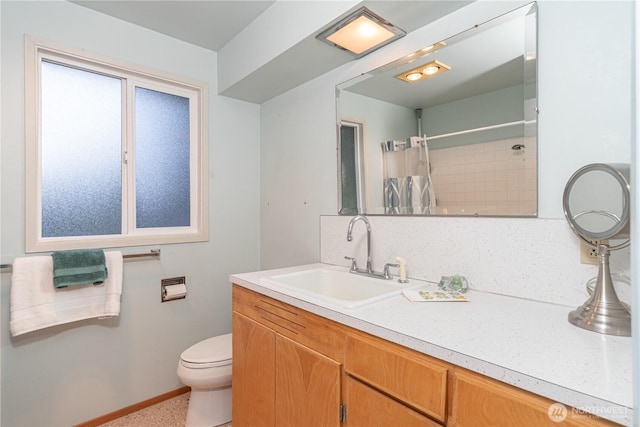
(212, 352)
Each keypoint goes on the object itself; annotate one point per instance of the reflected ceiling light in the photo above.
(360, 33)
(433, 46)
(431, 70)
(423, 71)
(425, 51)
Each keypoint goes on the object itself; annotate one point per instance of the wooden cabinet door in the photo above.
(307, 386)
(253, 368)
(367, 407)
(483, 402)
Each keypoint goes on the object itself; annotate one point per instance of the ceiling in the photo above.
(212, 24)
(209, 24)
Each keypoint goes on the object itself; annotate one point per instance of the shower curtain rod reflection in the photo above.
(152, 253)
(462, 132)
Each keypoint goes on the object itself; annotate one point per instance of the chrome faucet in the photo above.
(350, 237)
(369, 270)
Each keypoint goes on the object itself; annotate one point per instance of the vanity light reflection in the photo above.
(423, 71)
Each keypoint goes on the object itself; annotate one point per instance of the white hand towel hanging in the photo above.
(37, 304)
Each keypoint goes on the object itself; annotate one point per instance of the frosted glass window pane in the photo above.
(81, 152)
(162, 159)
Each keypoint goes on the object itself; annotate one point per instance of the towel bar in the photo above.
(152, 253)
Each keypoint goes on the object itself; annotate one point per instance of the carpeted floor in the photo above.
(170, 413)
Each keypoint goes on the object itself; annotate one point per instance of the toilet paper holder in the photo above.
(173, 288)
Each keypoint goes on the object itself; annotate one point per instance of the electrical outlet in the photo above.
(589, 254)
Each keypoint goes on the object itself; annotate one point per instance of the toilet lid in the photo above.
(214, 351)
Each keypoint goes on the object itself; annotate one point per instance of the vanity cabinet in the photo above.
(294, 368)
(479, 401)
(283, 370)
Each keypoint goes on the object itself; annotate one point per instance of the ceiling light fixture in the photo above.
(423, 71)
(360, 33)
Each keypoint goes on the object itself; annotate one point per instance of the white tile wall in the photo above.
(486, 178)
(531, 258)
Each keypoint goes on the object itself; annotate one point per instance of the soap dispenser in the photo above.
(403, 270)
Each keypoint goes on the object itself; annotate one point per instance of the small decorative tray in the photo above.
(424, 295)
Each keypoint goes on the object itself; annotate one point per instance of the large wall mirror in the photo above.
(448, 130)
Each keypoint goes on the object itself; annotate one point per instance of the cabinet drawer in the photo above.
(315, 332)
(479, 401)
(404, 374)
(367, 407)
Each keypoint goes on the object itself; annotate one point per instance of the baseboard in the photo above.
(133, 408)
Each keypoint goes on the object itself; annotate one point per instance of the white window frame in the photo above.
(361, 165)
(35, 51)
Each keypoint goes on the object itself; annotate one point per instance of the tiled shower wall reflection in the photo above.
(486, 178)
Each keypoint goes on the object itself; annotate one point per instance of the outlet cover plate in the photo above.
(588, 254)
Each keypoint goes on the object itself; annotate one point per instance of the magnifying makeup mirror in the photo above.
(596, 203)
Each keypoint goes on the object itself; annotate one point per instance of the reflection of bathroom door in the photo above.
(352, 173)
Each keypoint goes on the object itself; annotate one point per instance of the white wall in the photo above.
(1, 332)
(635, 214)
(383, 121)
(585, 91)
(69, 374)
(584, 79)
(298, 179)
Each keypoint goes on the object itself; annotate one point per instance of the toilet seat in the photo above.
(210, 353)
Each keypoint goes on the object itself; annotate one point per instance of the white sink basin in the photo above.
(335, 285)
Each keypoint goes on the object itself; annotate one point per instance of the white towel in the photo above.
(37, 304)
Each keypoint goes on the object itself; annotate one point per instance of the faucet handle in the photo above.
(354, 263)
(386, 273)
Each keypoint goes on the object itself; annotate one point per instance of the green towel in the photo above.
(78, 267)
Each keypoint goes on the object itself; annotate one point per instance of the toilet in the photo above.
(206, 368)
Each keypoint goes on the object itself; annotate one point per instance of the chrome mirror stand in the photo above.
(597, 205)
(603, 312)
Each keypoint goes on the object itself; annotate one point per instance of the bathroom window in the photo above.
(116, 154)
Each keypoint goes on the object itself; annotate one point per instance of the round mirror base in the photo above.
(609, 319)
